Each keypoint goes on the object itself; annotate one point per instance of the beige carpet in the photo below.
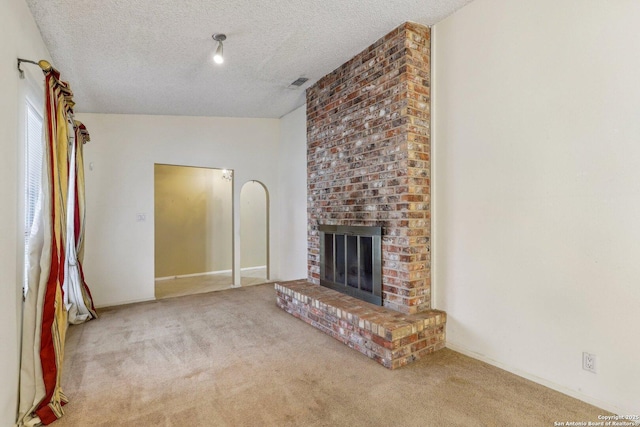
(232, 358)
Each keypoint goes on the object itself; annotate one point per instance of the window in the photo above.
(33, 175)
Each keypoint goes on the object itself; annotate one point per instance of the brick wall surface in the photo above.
(368, 154)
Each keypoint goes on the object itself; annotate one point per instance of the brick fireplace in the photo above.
(368, 164)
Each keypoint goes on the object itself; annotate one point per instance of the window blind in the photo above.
(33, 178)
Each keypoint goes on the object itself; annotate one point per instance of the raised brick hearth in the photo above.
(391, 338)
(368, 164)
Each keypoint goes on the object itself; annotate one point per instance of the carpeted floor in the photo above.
(232, 358)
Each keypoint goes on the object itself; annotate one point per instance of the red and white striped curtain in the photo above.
(57, 292)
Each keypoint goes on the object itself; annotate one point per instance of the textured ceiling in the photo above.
(155, 56)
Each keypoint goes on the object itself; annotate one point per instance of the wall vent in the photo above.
(298, 82)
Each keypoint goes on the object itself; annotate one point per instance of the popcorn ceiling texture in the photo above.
(155, 56)
(368, 158)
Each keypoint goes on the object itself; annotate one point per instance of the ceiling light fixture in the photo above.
(218, 58)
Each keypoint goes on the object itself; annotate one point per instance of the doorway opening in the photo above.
(254, 233)
(193, 230)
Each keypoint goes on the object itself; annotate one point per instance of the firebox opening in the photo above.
(351, 261)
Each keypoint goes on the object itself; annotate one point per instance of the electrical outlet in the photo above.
(589, 362)
(141, 217)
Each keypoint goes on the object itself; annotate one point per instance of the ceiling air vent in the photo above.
(298, 82)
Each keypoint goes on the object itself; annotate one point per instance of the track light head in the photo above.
(218, 57)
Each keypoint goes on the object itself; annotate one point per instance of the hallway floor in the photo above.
(169, 288)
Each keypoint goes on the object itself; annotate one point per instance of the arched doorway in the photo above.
(254, 233)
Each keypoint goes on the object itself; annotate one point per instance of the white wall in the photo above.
(537, 190)
(19, 37)
(291, 213)
(119, 255)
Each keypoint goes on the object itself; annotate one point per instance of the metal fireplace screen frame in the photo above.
(351, 261)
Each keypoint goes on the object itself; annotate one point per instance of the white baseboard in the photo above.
(259, 267)
(181, 276)
(208, 273)
(124, 302)
(607, 406)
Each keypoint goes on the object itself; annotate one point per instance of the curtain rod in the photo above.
(45, 65)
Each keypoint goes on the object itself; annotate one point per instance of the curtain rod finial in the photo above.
(45, 65)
